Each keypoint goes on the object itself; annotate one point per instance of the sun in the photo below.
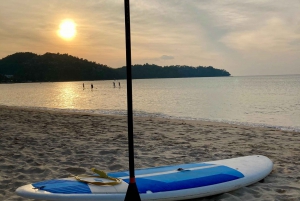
(67, 29)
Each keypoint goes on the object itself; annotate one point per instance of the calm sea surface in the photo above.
(270, 101)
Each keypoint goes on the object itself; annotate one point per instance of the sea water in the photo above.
(268, 101)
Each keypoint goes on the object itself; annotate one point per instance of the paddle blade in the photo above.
(132, 193)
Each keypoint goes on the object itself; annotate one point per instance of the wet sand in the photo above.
(38, 145)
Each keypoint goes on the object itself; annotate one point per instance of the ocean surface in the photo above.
(267, 101)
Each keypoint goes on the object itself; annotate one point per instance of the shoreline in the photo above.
(150, 115)
(40, 144)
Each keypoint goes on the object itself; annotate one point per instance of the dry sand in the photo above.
(38, 145)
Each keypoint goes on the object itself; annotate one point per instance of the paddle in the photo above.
(132, 193)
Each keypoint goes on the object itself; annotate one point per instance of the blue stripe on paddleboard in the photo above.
(63, 186)
(158, 169)
(187, 179)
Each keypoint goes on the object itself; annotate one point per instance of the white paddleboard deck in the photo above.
(178, 182)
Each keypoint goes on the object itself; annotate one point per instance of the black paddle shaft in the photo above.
(132, 193)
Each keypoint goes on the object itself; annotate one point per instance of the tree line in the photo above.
(51, 67)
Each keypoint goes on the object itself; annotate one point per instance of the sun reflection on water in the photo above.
(67, 96)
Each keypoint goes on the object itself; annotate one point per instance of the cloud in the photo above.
(166, 57)
(274, 36)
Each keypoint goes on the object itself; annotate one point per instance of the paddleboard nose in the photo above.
(25, 190)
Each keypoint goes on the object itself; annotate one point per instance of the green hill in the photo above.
(26, 66)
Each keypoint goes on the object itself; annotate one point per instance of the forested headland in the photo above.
(51, 67)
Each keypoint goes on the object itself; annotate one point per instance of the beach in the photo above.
(40, 144)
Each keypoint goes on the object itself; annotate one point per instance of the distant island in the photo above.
(51, 67)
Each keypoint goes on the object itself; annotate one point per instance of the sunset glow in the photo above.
(253, 37)
(67, 29)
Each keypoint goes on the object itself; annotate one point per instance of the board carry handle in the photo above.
(102, 174)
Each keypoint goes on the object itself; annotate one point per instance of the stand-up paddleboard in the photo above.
(178, 182)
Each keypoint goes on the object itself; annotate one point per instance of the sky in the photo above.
(244, 37)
